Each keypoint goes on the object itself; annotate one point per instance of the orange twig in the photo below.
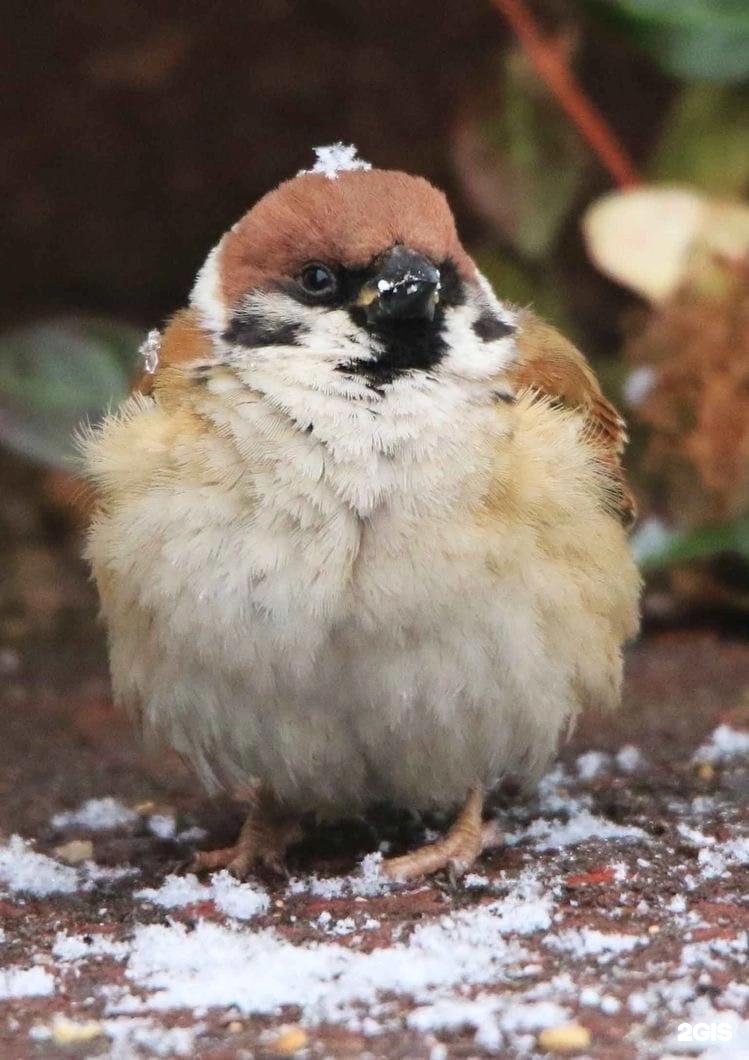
(550, 66)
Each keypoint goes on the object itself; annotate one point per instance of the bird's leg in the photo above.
(456, 850)
(263, 839)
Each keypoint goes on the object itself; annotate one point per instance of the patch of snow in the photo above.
(553, 796)
(525, 910)
(94, 875)
(736, 996)
(589, 942)
(25, 982)
(712, 954)
(345, 926)
(231, 897)
(701, 804)
(175, 891)
(23, 870)
(79, 947)
(678, 904)
(724, 745)
(334, 159)
(369, 880)
(162, 825)
(128, 1035)
(236, 899)
(492, 1017)
(259, 971)
(630, 758)
(590, 764)
(582, 827)
(716, 858)
(96, 815)
(191, 835)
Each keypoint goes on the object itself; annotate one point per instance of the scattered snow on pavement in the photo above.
(25, 982)
(22, 869)
(239, 900)
(518, 955)
(724, 744)
(96, 815)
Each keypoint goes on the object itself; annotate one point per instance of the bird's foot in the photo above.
(263, 841)
(456, 851)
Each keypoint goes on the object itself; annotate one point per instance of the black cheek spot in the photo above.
(489, 327)
(252, 331)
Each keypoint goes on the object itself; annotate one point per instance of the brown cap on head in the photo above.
(347, 221)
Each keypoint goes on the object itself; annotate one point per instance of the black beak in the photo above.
(405, 287)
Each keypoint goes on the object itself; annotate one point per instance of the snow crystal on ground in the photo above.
(582, 827)
(97, 815)
(334, 159)
(526, 909)
(260, 972)
(94, 874)
(175, 891)
(724, 744)
(25, 982)
(490, 1015)
(367, 881)
(630, 758)
(239, 900)
(23, 870)
(162, 825)
(235, 899)
(716, 858)
(592, 763)
(128, 1034)
(77, 947)
(588, 942)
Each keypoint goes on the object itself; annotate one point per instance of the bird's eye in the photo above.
(318, 280)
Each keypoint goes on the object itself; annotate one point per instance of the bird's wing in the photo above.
(550, 365)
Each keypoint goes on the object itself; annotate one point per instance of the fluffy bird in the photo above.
(361, 535)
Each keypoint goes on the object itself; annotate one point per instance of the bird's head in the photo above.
(346, 279)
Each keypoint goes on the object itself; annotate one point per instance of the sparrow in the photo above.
(361, 534)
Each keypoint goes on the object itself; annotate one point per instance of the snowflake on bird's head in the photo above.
(334, 159)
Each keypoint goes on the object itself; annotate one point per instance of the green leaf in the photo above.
(699, 543)
(57, 374)
(704, 39)
(705, 141)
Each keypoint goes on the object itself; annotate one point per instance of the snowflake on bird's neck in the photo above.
(334, 159)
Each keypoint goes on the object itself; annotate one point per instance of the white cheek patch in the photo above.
(502, 312)
(324, 339)
(206, 297)
(470, 356)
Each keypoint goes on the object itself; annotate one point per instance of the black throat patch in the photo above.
(409, 345)
(405, 346)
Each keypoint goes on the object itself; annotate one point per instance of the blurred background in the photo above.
(597, 157)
